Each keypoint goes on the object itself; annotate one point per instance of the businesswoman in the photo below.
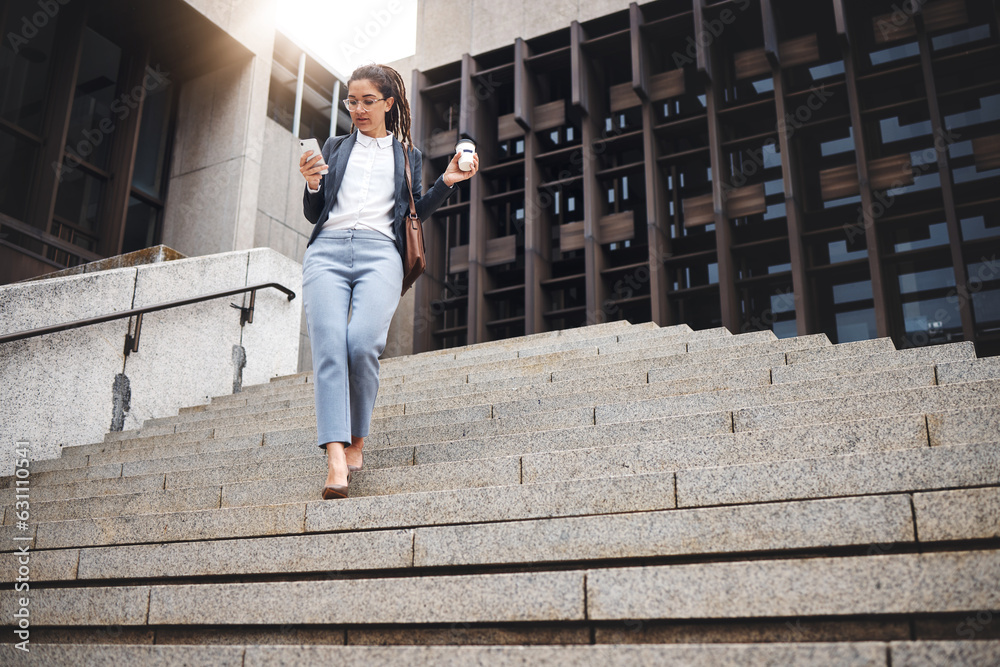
(352, 270)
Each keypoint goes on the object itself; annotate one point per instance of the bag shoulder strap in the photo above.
(409, 182)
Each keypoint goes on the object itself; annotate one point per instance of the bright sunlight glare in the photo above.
(348, 34)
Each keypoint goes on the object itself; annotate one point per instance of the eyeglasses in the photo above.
(351, 105)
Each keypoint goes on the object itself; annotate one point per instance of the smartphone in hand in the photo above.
(311, 144)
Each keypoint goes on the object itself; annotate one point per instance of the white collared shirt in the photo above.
(367, 196)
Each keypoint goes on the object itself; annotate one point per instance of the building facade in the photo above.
(821, 167)
(805, 167)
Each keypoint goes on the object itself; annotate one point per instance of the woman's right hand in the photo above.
(310, 168)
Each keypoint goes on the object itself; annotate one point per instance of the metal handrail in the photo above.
(132, 342)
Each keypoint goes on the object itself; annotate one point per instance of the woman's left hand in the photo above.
(453, 174)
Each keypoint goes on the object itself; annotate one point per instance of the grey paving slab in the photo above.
(982, 653)
(767, 527)
(172, 527)
(658, 371)
(961, 514)
(868, 406)
(370, 550)
(277, 468)
(952, 427)
(820, 389)
(138, 440)
(421, 403)
(196, 450)
(259, 420)
(508, 425)
(119, 505)
(459, 415)
(98, 487)
(67, 460)
(56, 565)
(747, 338)
(969, 370)
(472, 598)
(861, 347)
(707, 423)
(585, 395)
(126, 605)
(676, 451)
(631, 655)
(513, 360)
(923, 469)
(886, 584)
(15, 537)
(151, 655)
(862, 363)
(183, 459)
(632, 493)
(380, 482)
(69, 475)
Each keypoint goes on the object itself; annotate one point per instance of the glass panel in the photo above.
(17, 165)
(140, 226)
(978, 228)
(920, 281)
(984, 285)
(917, 236)
(95, 107)
(856, 325)
(79, 198)
(150, 157)
(26, 62)
(848, 292)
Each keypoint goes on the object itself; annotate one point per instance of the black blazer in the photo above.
(335, 152)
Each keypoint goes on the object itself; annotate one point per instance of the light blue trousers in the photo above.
(356, 270)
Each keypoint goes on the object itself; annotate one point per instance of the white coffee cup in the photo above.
(465, 148)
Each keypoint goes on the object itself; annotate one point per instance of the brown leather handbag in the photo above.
(415, 259)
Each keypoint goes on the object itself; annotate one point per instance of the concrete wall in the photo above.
(68, 388)
(215, 172)
(446, 29)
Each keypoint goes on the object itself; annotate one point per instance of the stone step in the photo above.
(981, 653)
(903, 471)
(866, 406)
(929, 468)
(289, 454)
(661, 399)
(885, 584)
(574, 498)
(917, 356)
(295, 467)
(899, 471)
(782, 373)
(156, 502)
(679, 353)
(935, 583)
(543, 420)
(771, 527)
(553, 352)
(861, 347)
(390, 394)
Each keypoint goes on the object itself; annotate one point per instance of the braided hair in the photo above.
(389, 84)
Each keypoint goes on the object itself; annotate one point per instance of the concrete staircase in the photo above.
(612, 495)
